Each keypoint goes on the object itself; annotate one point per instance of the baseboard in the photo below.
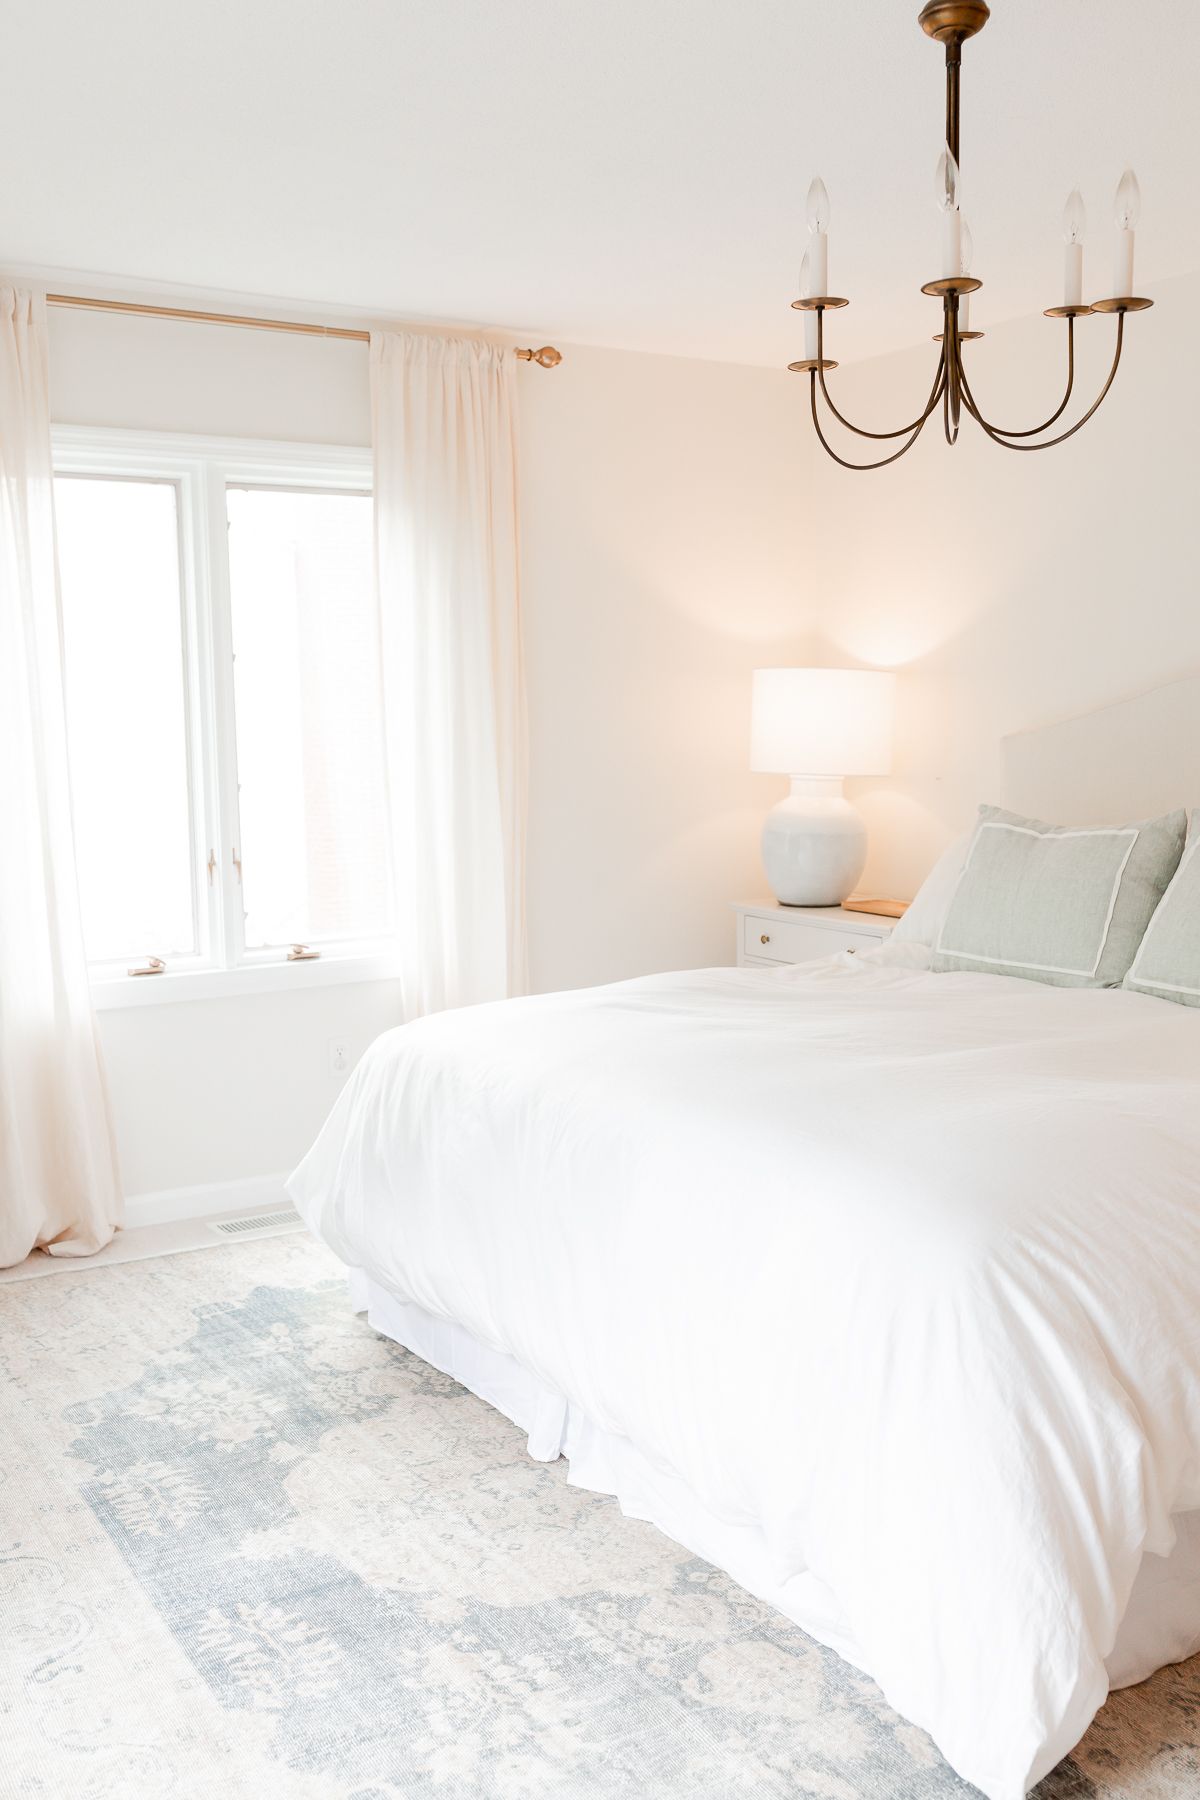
(169, 1205)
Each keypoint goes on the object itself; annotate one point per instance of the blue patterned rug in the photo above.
(251, 1551)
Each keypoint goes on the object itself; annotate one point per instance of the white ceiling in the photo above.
(629, 173)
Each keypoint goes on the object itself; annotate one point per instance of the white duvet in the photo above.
(902, 1268)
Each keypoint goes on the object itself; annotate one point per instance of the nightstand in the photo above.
(768, 933)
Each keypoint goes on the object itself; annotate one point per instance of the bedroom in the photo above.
(248, 1543)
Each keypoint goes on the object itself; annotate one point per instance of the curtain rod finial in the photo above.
(547, 357)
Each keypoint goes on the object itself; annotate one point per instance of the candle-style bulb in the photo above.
(817, 214)
(1127, 207)
(1074, 225)
(966, 250)
(810, 318)
(948, 194)
(1074, 218)
(947, 183)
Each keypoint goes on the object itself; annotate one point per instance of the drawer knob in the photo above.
(765, 938)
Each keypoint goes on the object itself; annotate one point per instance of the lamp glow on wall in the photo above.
(818, 725)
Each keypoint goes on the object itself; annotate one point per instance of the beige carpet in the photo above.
(250, 1551)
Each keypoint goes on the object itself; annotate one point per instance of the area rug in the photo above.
(251, 1551)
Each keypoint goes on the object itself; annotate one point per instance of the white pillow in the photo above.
(922, 922)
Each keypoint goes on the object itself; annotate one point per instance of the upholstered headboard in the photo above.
(1127, 761)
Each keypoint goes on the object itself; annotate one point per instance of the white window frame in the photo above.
(201, 468)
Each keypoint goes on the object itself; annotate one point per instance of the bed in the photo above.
(877, 1288)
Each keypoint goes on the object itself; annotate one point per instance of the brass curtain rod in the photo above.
(547, 357)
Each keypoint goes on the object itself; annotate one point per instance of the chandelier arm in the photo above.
(998, 438)
(953, 388)
(1034, 430)
(950, 432)
(903, 430)
(884, 460)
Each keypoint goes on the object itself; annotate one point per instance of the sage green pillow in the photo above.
(1059, 904)
(1168, 960)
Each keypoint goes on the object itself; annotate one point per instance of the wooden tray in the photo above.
(883, 909)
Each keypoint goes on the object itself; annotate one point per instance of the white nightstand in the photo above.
(769, 933)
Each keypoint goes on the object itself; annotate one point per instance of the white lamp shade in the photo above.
(822, 722)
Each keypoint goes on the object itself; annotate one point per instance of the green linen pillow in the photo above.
(1057, 904)
(1168, 960)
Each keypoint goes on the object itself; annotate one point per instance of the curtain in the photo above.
(59, 1185)
(444, 431)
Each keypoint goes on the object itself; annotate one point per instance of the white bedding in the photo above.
(900, 1269)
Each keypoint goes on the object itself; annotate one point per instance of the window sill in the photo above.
(112, 992)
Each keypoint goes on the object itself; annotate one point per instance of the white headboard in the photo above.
(1127, 761)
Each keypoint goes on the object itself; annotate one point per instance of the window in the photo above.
(309, 722)
(127, 718)
(224, 713)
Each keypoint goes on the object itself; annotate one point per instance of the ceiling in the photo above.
(630, 173)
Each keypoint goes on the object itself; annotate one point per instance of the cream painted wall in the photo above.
(662, 538)
(1010, 590)
(663, 553)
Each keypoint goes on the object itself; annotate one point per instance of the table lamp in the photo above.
(818, 725)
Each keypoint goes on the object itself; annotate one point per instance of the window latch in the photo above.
(237, 863)
(153, 965)
(302, 953)
(212, 867)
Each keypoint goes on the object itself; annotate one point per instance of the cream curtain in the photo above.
(59, 1186)
(444, 430)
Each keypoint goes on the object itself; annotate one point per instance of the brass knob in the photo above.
(764, 939)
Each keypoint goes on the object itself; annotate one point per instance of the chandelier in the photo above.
(951, 22)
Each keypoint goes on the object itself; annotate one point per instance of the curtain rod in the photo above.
(547, 357)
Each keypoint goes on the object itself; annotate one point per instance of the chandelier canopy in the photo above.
(951, 22)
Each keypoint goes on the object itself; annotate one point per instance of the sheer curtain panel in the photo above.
(444, 429)
(59, 1185)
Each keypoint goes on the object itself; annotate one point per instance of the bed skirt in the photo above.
(1161, 1624)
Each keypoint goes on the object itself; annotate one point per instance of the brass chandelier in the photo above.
(951, 22)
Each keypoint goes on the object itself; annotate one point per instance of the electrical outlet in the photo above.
(339, 1056)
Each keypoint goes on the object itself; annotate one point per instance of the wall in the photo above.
(662, 548)
(1010, 589)
(663, 556)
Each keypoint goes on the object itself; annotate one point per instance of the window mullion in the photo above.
(198, 700)
(224, 733)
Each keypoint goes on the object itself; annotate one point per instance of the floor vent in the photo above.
(258, 1224)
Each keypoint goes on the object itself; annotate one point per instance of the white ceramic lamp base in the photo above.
(814, 843)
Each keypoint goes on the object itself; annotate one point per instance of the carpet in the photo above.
(251, 1551)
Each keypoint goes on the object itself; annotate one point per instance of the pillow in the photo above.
(1168, 960)
(922, 922)
(1057, 904)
